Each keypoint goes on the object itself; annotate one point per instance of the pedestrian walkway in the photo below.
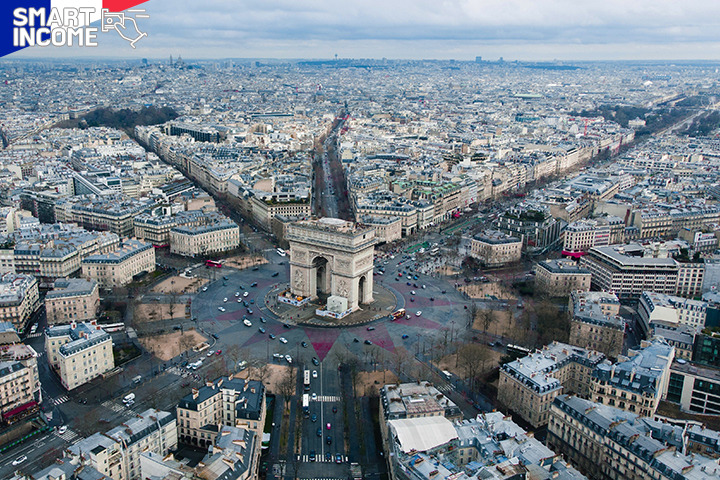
(34, 335)
(60, 400)
(444, 388)
(68, 436)
(328, 398)
(113, 406)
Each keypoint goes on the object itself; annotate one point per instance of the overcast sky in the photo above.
(414, 29)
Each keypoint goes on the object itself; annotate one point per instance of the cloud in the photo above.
(292, 29)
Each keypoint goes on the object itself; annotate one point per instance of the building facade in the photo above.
(20, 393)
(79, 352)
(72, 300)
(117, 268)
(596, 323)
(19, 299)
(494, 249)
(561, 277)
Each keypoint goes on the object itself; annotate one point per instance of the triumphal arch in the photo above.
(332, 257)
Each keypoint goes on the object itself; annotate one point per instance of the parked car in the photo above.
(283, 340)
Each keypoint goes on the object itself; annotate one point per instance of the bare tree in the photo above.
(287, 385)
(472, 314)
(400, 360)
(471, 359)
(487, 317)
(171, 305)
(186, 342)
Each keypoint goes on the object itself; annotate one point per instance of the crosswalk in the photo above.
(33, 335)
(60, 400)
(113, 406)
(328, 398)
(68, 436)
(321, 459)
(40, 354)
(444, 388)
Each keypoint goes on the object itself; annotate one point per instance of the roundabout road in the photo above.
(442, 314)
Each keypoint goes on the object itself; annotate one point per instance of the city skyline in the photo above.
(519, 30)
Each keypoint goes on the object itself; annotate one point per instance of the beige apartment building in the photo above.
(117, 268)
(561, 277)
(73, 299)
(79, 352)
(596, 323)
(387, 229)
(635, 383)
(264, 211)
(226, 401)
(19, 299)
(117, 452)
(529, 385)
(199, 240)
(494, 248)
(20, 393)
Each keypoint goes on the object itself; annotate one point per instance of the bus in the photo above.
(397, 315)
(517, 351)
(306, 380)
(281, 252)
(213, 263)
(306, 404)
(434, 251)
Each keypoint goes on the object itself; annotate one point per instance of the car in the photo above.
(283, 340)
(412, 292)
(328, 426)
(247, 323)
(356, 340)
(224, 278)
(405, 335)
(319, 432)
(261, 330)
(288, 358)
(245, 294)
(255, 269)
(272, 336)
(254, 284)
(338, 458)
(262, 319)
(204, 289)
(315, 361)
(19, 460)
(313, 417)
(418, 313)
(368, 342)
(245, 304)
(314, 373)
(275, 274)
(444, 291)
(432, 299)
(312, 455)
(218, 352)
(221, 309)
(313, 397)
(286, 325)
(328, 440)
(409, 284)
(210, 353)
(370, 328)
(328, 457)
(334, 409)
(240, 300)
(249, 310)
(412, 299)
(225, 299)
(252, 301)
(237, 294)
(278, 355)
(423, 286)
(62, 429)
(304, 344)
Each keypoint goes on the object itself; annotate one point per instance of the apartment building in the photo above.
(20, 393)
(528, 385)
(205, 239)
(581, 235)
(635, 383)
(538, 230)
(610, 444)
(225, 401)
(669, 310)
(387, 229)
(493, 248)
(233, 455)
(264, 210)
(628, 270)
(105, 213)
(154, 228)
(561, 277)
(596, 323)
(79, 352)
(412, 400)
(117, 268)
(73, 299)
(116, 453)
(19, 298)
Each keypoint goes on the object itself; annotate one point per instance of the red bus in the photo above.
(213, 263)
(399, 314)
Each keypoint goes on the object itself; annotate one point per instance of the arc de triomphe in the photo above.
(334, 257)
